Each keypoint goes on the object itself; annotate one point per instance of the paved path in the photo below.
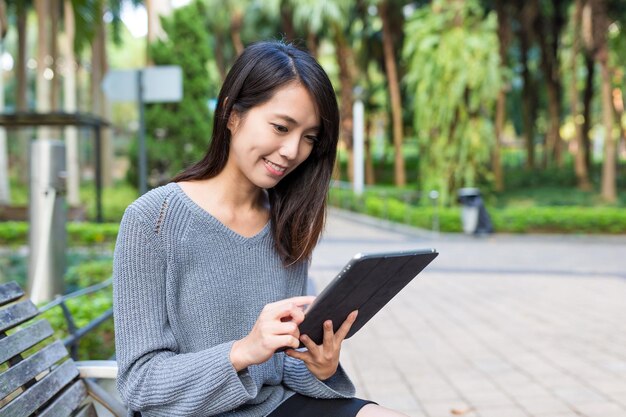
(501, 326)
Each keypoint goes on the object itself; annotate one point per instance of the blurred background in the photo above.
(521, 101)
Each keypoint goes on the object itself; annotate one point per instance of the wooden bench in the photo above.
(39, 378)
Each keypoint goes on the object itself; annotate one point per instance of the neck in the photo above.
(234, 193)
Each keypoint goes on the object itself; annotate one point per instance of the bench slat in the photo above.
(10, 292)
(17, 314)
(32, 366)
(67, 402)
(37, 395)
(24, 339)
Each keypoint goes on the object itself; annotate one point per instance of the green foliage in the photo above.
(178, 133)
(97, 344)
(514, 219)
(454, 77)
(79, 234)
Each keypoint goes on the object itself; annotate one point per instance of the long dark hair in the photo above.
(298, 201)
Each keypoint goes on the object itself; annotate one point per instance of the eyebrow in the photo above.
(293, 121)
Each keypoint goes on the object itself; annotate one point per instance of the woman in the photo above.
(210, 270)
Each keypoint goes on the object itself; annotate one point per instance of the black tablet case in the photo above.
(366, 283)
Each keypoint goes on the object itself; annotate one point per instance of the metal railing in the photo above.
(76, 333)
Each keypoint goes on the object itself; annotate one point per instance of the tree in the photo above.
(580, 167)
(601, 22)
(395, 99)
(178, 133)
(454, 75)
(5, 191)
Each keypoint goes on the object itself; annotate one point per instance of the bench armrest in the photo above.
(97, 369)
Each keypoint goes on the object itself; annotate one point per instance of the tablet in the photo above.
(366, 283)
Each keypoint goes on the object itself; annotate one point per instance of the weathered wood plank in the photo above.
(37, 395)
(87, 411)
(10, 292)
(32, 366)
(67, 402)
(17, 314)
(24, 339)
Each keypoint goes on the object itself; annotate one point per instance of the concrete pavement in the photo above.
(505, 326)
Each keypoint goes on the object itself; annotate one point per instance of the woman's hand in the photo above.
(276, 327)
(323, 360)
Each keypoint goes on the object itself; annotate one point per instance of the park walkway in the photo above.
(500, 326)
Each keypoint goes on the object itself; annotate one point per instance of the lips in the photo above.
(274, 168)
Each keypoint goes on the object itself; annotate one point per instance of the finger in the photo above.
(303, 356)
(302, 300)
(329, 340)
(286, 328)
(287, 341)
(342, 332)
(308, 343)
(290, 307)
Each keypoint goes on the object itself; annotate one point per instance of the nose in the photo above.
(289, 147)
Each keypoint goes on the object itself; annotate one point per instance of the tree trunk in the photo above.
(286, 22)
(313, 43)
(587, 101)
(550, 68)
(582, 174)
(43, 84)
(220, 61)
(20, 64)
(369, 162)
(609, 191)
(55, 82)
(504, 37)
(5, 188)
(346, 81)
(98, 101)
(601, 47)
(69, 101)
(528, 90)
(236, 22)
(155, 9)
(394, 96)
(20, 92)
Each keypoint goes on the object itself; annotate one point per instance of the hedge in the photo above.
(561, 219)
(78, 234)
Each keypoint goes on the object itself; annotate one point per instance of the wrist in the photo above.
(237, 358)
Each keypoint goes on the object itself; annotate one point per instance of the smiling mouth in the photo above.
(274, 168)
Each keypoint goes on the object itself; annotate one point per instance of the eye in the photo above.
(312, 139)
(280, 128)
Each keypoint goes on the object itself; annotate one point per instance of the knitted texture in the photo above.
(185, 288)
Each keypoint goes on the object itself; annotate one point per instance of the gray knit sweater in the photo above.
(186, 287)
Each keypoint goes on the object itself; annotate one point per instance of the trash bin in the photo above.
(474, 216)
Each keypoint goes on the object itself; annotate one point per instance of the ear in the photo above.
(233, 121)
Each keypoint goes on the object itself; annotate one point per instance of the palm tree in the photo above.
(334, 18)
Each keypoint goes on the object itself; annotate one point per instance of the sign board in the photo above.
(161, 84)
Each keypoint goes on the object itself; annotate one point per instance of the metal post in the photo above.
(47, 240)
(143, 162)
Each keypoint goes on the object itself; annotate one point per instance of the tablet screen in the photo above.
(366, 283)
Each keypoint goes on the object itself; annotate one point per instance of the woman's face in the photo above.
(272, 139)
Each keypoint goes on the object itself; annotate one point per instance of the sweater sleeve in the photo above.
(297, 377)
(154, 377)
